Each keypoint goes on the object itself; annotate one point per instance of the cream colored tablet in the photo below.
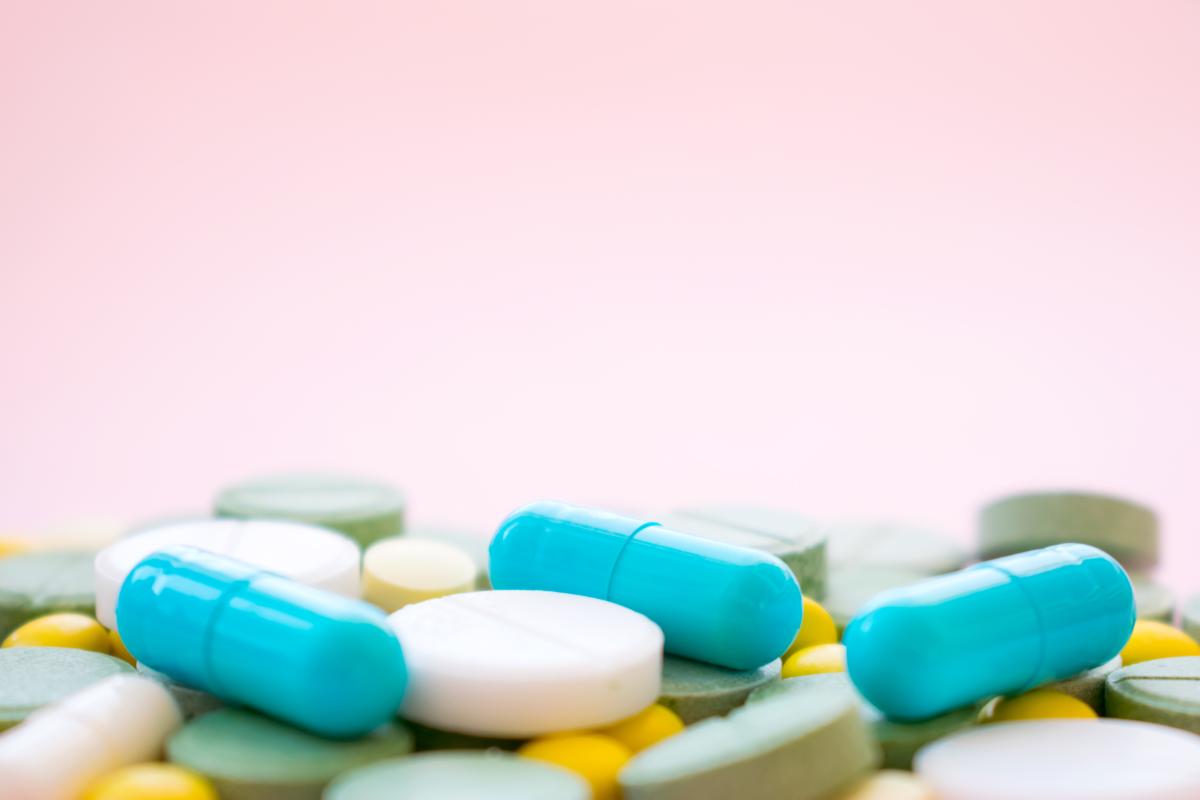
(305, 553)
(518, 664)
(403, 570)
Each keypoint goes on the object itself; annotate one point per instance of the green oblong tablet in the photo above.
(192, 702)
(363, 510)
(697, 691)
(31, 677)
(45, 582)
(1165, 691)
(1088, 686)
(1122, 528)
(459, 776)
(251, 757)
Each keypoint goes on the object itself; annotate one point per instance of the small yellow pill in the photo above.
(151, 782)
(61, 630)
(1152, 640)
(399, 570)
(817, 627)
(595, 757)
(1040, 704)
(815, 660)
(888, 784)
(649, 726)
(118, 649)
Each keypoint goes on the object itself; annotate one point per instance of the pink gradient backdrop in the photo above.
(883, 258)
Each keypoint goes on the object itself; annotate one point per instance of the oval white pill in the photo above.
(305, 553)
(518, 664)
(1105, 759)
(401, 570)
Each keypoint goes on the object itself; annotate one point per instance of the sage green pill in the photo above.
(851, 587)
(192, 702)
(1122, 528)
(363, 510)
(1191, 617)
(31, 677)
(798, 746)
(45, 582)
(1088, 686)
(891, 545)
(427, 738)
(251, 757)
(1152, 599)
(459, 776)
(1165, 691)
(793, 538)
(697, 691)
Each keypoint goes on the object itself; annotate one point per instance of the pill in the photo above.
(799, 747)
(192, 702)
(1039, 704)
(594, 757)
(891, 545)
(1088, 685)
(517, 664)
(364, 510)
(816, 628)
(61, 630)
(247, 756)
(730, 606)
(898, 741)
(32, 677)
(1126, 530)
(998, 627)
(815, 660)
(1165, 691)
(304, 553)
(695, 690)
(12, 546)
(792, 538)
(1151, 640)
(323, 662)
(1153, 600)
(888, 784)
(426, 737)
(459, 776)
(39, 583)
(647, 727)
(475, 543)
(851, 588)
(60, 749)
(117, 648)
(1190, 617)
(151, 782)
(403, 570)
(1064, 759)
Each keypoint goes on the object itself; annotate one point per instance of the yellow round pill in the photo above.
(10, 547)
(118, 649)
(151, 782)
(888, 784)
(649, 726)
(61, 630)
(816, 627)
(1151, 640)
(595, 757)
(1040, 704)
(815, 660)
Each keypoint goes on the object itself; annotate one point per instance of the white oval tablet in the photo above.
(305, 553)
(517, 664)
(1104, 759)
(403, 570)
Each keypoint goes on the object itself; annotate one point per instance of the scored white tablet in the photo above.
(305, 553)
(517, 664)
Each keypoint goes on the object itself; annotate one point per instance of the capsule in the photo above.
(998, 627)
(323, 662)
(61, 748)
(731, 606)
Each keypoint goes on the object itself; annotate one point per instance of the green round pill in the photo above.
(192, 702)
(1165, 691)
(1191, 617)
(366, 511)
(891, 545)
(47, 582)
(1152, 599)
(31, 677)
(1088, 686)
(696, 691)
(460, 776)
(251, 757)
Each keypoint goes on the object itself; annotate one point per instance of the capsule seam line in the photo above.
(620, 553)
(1037, 613)
(222, 604)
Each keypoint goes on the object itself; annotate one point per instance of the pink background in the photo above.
(875, 258)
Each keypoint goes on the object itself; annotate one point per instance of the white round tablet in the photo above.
(517, 664)
(1105, 759)
(305, 553)
(403, 570)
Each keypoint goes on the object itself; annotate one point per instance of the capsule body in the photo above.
(998, 627)
(61, 748)
(731, 606)
(323, 662)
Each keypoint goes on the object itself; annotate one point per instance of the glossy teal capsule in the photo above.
(318, 660)
(998, 627)
(730, 606)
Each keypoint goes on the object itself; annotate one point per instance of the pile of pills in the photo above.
(301, 644)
